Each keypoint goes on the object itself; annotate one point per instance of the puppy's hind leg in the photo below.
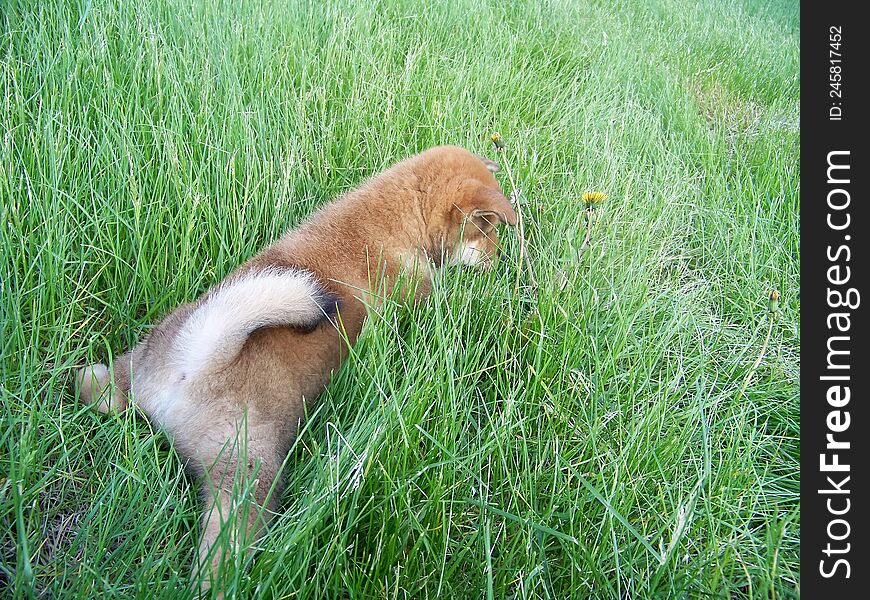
(95, 387)
(239, 497)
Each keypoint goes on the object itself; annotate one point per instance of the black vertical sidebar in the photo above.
(835, 425)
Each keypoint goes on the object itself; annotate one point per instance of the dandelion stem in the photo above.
(758, 360)
(588, 236)
(524, 258)
(591, 199)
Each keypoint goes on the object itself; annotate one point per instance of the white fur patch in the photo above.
(218, 328)
(468, 254)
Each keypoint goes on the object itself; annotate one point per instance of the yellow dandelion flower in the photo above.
(496, 139)
(593, 198)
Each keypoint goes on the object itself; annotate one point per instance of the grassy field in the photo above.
(469, 448)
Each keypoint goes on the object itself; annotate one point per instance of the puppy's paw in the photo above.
(94, 385)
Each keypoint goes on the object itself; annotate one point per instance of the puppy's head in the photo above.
(469, 207)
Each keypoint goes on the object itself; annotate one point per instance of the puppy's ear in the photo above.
(478, 200)
(490, 164)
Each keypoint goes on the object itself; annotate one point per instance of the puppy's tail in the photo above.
(219, 326)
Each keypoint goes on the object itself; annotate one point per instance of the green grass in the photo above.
(466, 450)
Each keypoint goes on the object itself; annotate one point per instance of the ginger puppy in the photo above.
(230, 373)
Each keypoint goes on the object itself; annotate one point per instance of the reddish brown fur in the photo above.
(420, 212)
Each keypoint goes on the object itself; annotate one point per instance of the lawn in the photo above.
(596, 441)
